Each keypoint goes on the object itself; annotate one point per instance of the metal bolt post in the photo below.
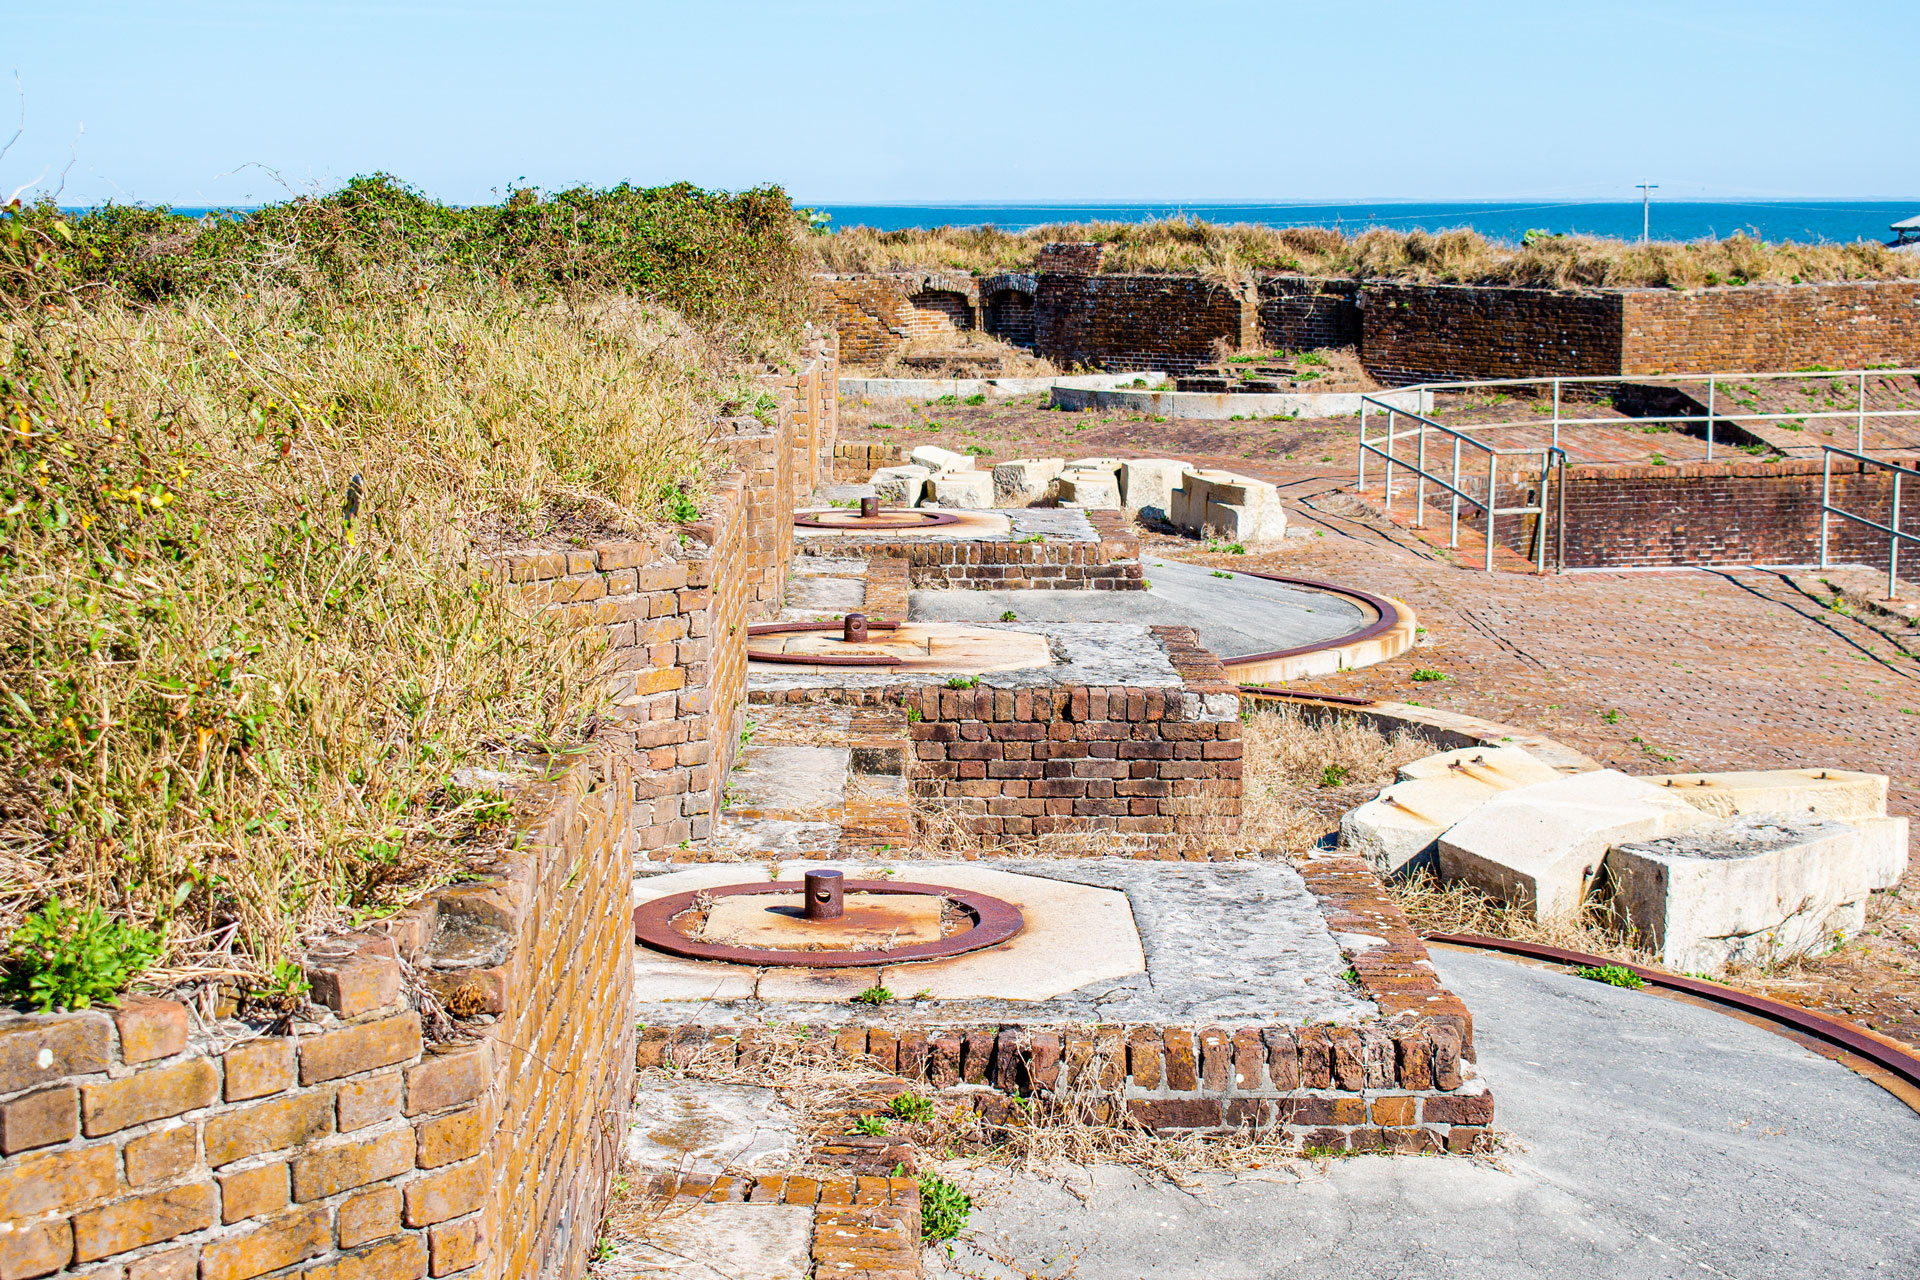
(1362, 447)
(854, 631)
(826, 895)
(1420, 489)
(869, 508)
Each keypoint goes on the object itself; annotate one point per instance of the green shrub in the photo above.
(62, 959)
(912, 1107)
(1426, 675)
(870, 1127)
(875, 994)
(1614, 975)
(944, 1208)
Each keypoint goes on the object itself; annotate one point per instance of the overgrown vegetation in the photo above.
(1302, 771)
(250, 471)
(1458, 256)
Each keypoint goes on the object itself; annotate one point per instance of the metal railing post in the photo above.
(1556, 413)
(1560, 518)
(1386, 487)
(1362, 450)
(1420, 488)
(1860, 421)
(1893, 543)
(1453, 537)
(1710, 404)
(1826, 503)
(1492, 479)
(1540, 520)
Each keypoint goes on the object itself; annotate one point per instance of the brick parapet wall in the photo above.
(876, 315)
(1299, 313)
(1765, 328)
(1152, 770)
(1112, 563)
(143, 1144)
(1429, 333)
(1124, 322)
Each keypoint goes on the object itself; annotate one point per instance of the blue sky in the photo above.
(204, 101)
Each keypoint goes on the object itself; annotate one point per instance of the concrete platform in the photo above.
(1077, 654)
(1048, 524)
(1108, 940)
(1237, 615)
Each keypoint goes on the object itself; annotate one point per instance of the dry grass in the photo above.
(245, 639)
(1302, 771)
(1460, 256)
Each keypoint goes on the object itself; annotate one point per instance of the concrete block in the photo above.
(1752, 888)
(934, 458)
(900, 486)
(1539, 847)
(1502, 767)
(1088, 490)
(1885, 843)
(1025, 481)
(1150, 482)
(1818, 793)
(1398, 831)
(971, 490)
(1235, 507)
(1109, 465)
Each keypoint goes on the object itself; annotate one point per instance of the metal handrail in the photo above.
(1895, 533)
(1538, 509)
(1859, 413)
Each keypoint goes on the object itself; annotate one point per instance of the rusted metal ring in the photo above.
(1388, 618)
(994, 921)
(820, 659)
(890, 520)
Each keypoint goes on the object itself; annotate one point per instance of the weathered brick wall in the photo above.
(1767, 328)
(1159, 768)
(1008, 307)
(143, 1144)
(1302, 314)
(1123, 322)
(875, 315)
(1435, 333)
(1729, 513)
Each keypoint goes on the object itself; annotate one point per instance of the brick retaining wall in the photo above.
(1302, 314)
(146, 1143)
(1126, 322)
(1763, 328)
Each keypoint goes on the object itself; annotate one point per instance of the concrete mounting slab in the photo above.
(1020, 481)
(788, 779)
(940, 461)
(918, 649)
(1079, 654)
(729, 1242)
(1655, 1139)
(695, 1128)
(1501, 767)
(871, 920)
(965, 490)
(1109, 940)
(1539, 847)
(1752, 888)
(1813, 792)
(1236, 615)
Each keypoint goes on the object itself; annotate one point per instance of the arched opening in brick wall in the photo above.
(937, 311)
(1010, 316)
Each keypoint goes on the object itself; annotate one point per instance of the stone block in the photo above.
(1502, 767)
(1751, 888)
(900, 486)
(1539, 847)
(967, 490)
(1087, 490)
(1224, 505)
(448, 1079)
(936, 460)
(1150, 483)
(1024, 481)
(1398, 832)
(1802, 793)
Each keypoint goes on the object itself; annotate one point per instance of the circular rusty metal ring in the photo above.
(820, 659)
(890, 520)
(994, 921)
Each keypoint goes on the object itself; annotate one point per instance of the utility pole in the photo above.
(1646, 209)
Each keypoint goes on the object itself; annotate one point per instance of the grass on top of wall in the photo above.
(247, 640)
(1459, 256)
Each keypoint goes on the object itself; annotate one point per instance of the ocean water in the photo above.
(1806, 221)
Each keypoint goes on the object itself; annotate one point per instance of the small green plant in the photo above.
(963, 682)
(1318, 1151)
(679, 507)
(1611, 715)
(63, 959)
(1221, 573)
(1030, 538)
(1333, 775)
(977, 450)
(924, 993)
(1427, 675)
(914, 1108)
(1614, 975)
(875, 994)
(944, 1208)
(870, 1127)
(976, 398)
(1351, 977)
(1657, 459)
(881, 426)
(1009, 616)
(913, 715)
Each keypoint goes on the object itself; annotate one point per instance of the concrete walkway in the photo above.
(1652, 1139)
